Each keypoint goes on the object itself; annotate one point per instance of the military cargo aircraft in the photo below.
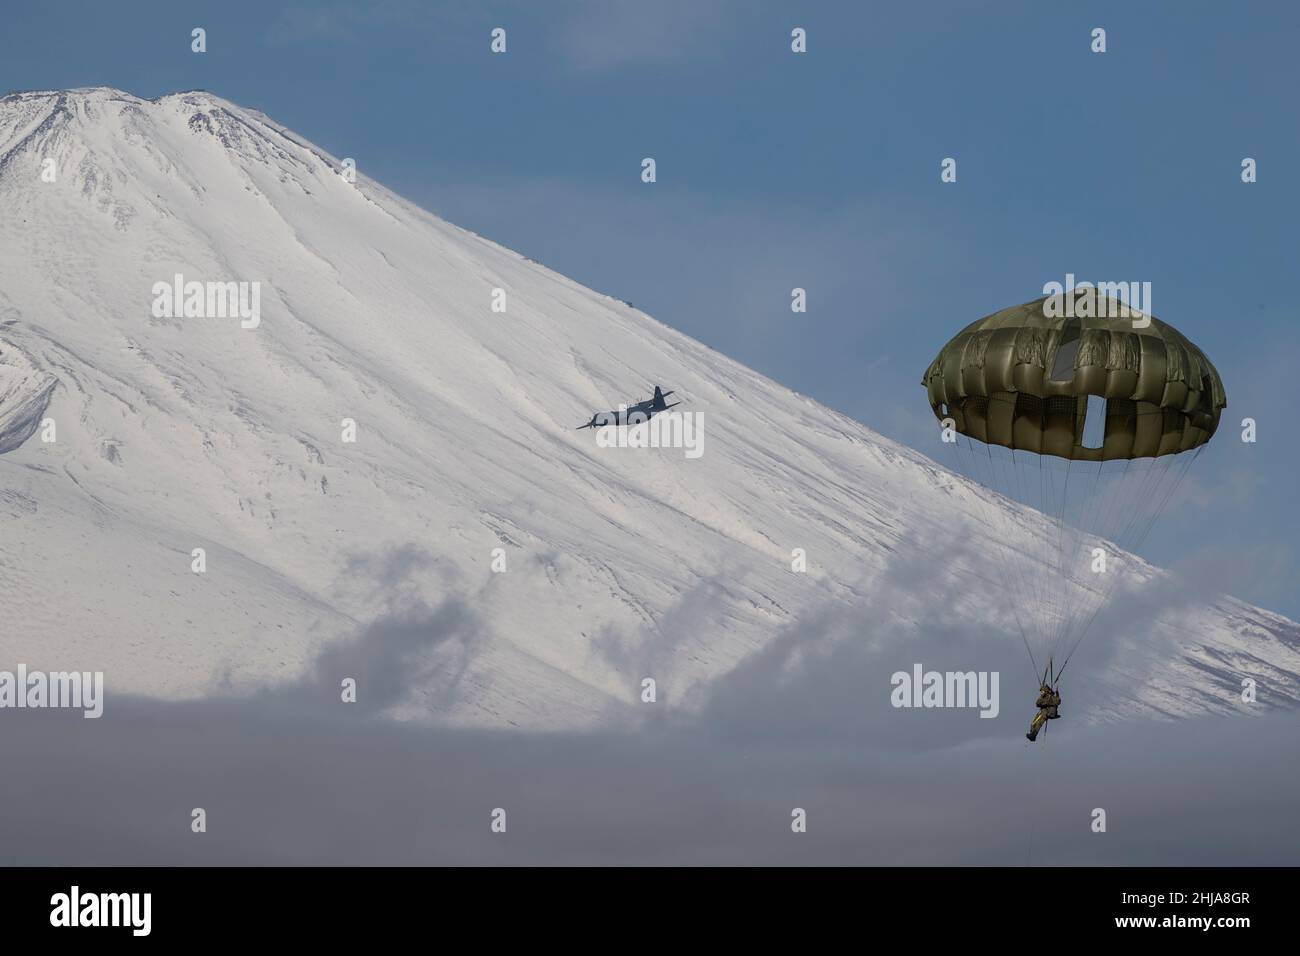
(633, 414)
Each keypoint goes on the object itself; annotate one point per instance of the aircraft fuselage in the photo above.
(632, 415)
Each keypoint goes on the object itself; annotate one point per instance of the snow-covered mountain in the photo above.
(178, 433)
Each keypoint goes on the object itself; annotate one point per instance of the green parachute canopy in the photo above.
(1081, 409)
(1020, 378)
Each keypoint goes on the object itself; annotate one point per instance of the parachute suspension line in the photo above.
(1046, 550)
(1020, 488)
(1116, 504)
(1054, 580)
(1075, 531)
(1129, 504)
(1043, 560)
(1025, 577)
(972, 473)
(1013, 573)
(1046, 507)
(1142, 492)
(1066, 558)
(1106, 496)
(1173, 489)
(1045, 556)
(1099, 527)
(1149, 492)
(1103, 502)
(1087, 521)
(1126, 500)
(1021, 597)
(1142, 536)
(1060, 587)
(1147, 525)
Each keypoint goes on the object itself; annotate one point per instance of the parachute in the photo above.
(1089, 412)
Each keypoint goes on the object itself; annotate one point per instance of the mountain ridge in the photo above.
(175, 434)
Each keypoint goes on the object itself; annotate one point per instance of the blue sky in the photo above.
(819, 171)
